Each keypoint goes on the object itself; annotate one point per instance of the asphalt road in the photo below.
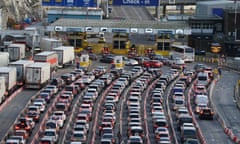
(223, 98)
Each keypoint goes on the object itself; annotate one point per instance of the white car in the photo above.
(51, 133)
(41, 106)
(130, 62)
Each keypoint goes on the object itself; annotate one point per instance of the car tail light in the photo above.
(17, 127)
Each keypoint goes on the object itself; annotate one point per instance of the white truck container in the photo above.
(10, 75)
(47, 44)
(37, 75)
(2, 89)
(21, 67)
(50, 57)
(16, 51)
(65, 55)
(4, 58)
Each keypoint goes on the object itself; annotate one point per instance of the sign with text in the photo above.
(136, 2)
(69, 3)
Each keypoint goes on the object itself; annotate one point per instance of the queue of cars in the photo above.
(136, 134)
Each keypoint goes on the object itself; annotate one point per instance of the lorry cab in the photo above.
(84, 60)
(118, 62)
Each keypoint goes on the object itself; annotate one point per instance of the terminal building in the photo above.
(216, 22)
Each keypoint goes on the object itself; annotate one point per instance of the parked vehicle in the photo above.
(16, 51)
(50, 57)
(9, 73)
(4, 58)
(37, 75)
(21, 67)
(65, 55)
(47, 44)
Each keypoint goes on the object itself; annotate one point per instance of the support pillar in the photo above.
(182, 9)
(164, 10)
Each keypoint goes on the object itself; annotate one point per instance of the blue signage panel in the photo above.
(69, 3)
(119, 30)
(136, 2)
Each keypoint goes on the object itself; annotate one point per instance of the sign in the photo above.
(73, 29)
(70, 3)
(119, 30)
(136, 2)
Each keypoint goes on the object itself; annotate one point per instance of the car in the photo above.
(34, 115)
(45, 96)
(92, 56)
(68, 78)
(46, 140)
(22, 124)
(206, 113)
(192, 141)
(188, 132)
(58, 82)
(130, 62)
(41, 106)
(52, 124)
(107, 58)
(108, 136)
(136, 131)
(199, 107)
(21, 139)
(23, 133)
(54, 87)
(51, 133)
(135, 140)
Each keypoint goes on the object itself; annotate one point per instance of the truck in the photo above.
(50, 57)
(16, 51)
(47, 44)
(21, 67)
(37, 75)
(4, 58)
(65, 55)
(10, 75)
(2, 89)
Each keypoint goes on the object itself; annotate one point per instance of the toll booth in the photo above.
(164, 40)
(121, 43)
(76, 38)
(84, 60)
(118, 62)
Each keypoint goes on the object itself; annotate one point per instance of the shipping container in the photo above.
(65, 55)
(50, 57)
(37, 75)
(21, 65)
(16, 51)
(2, 89)
(4, 58)
(10, 75)
(47, 44)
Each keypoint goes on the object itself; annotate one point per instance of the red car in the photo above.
(152, 63)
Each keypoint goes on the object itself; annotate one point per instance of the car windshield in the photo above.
(49, 133)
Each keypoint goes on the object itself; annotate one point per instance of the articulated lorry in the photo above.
(65, 55)
(21, 65)
(37, 75)
(16, 51)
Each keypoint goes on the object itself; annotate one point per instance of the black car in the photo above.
(200, 52)
(92, 56)
(107, 58)
(58, 82)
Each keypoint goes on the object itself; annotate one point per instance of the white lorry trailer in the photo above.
(2, 89)
(65, 55)
(37, 75)
(47, 44)
(4, 58)
(16, 51)
(50, 57)
(21, 67)
(10, 75)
